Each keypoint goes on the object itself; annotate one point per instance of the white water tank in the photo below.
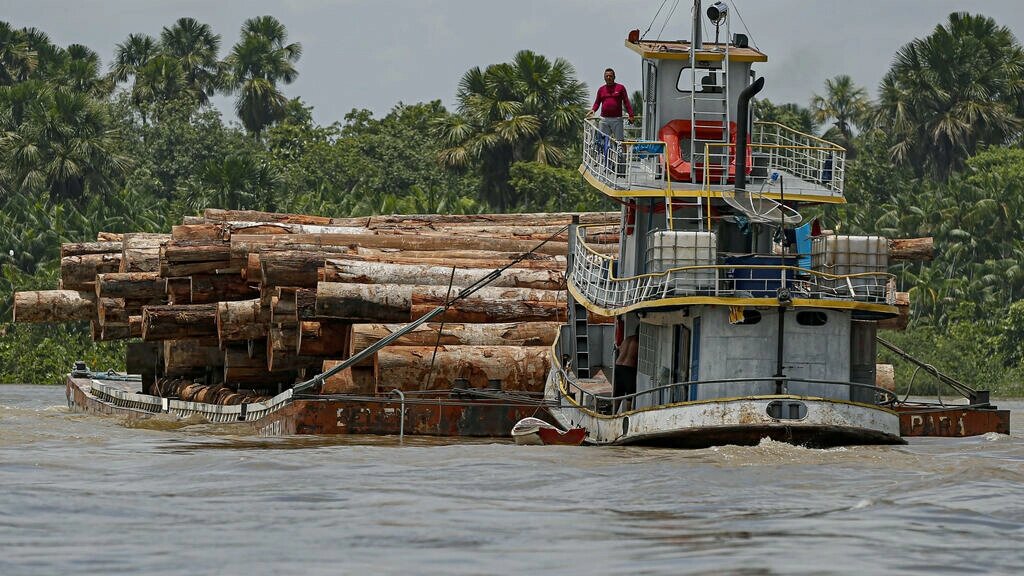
(668, 249)
(842, 255)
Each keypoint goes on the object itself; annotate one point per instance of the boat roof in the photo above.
(680, 50)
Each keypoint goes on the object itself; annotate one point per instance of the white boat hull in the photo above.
(743, 421)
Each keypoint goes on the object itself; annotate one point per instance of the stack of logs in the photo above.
(250, 301)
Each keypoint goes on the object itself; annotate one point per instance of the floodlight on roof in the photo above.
(718, 12)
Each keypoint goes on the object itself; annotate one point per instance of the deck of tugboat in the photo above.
(592, 282)
(812, 169)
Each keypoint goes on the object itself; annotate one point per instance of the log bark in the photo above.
(144, 358)
(290, 268)
(179, 290)
(242, 370)
(282, 307)
(242, 244)
(135, 286)
(507, 334)
(241, 321)
(54, 306)
(521, 369)
(900, 322)
(388, 273)
(135, 326)
(207, 288)
(197, 232)
(187, 257)
(911, 249)
(372, 303)
(359, 379)
(305, 304)
(282, 346)
(326, 338)
(112, 312)
(141, 252)
(83, 248)
(113, 332)
(178, 322)
(526, 219)
(79, 272)
(190, 357)
(218, 215)
(109, 237)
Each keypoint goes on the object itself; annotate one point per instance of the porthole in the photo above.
(811, 318)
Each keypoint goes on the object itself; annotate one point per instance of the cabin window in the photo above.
(811, 318)
(705, 80)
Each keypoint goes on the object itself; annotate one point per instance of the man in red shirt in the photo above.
(611, 98)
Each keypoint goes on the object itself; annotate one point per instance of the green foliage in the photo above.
(544, 188)
(792, 115)
(529, 109)
(42, 354)
(951, 93)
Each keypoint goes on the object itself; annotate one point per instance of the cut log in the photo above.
(109, 237)
(83, 248)
(885, 376)
(360, 379)
(527, 219)
(187, 257)
(425, 275)
(242, 244)
(305, 304)
(242, 370)
(144, 358)
(900, 322)
(290, 268)
(135, 286)
(326, 338)
(372, 303)
(508, 334)
(241, 321)
(79, 272)
(206, 288)
(179, 290)
(521, 369)
(112, 312)
(54, 306)
(197, 232)
(190, 357)
(218, 215)
(282, 346)
(135, 326)
(282, 307)
(141, 252)
(911, 249)
(178, 322)
(113, 332)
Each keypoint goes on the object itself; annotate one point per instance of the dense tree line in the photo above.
(136, 145)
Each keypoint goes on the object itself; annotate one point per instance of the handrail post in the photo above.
(401, 415)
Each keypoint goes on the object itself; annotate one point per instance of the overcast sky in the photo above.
(375, 53)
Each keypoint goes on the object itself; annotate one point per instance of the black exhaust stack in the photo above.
(743, 128)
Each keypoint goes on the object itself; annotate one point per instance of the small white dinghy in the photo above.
(536, 432)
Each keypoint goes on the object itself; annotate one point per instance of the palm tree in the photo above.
(258, 62)
(196, 48)
(844, 104)
(948, 94)
(17, 58)
(529, 109)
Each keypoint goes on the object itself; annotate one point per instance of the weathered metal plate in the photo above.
(952, 422)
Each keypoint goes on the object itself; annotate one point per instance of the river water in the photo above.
(87, 495)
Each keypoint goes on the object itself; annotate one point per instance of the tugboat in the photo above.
(740, 319)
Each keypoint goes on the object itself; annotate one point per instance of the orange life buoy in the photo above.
(675, 130)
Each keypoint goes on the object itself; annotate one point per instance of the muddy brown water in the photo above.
(88, 495)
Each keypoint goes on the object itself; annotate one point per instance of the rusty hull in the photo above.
(952, 421)
(439, 416)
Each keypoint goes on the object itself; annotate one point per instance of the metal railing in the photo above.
(820, 165)
(212, 412)
(623, 164)
(592, 274)
(813, 165)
